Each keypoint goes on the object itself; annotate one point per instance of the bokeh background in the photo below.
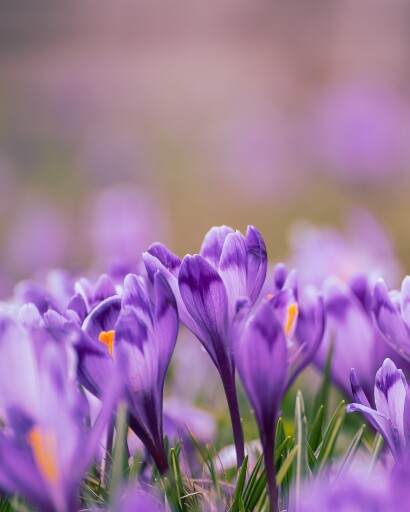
(125, 123)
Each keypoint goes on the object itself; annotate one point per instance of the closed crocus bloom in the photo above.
(392, 311)
(391, 416)
(46, 447)
(269, 356)
(209, 287)
(138, 337)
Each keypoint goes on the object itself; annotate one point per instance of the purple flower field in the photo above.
(204, 257)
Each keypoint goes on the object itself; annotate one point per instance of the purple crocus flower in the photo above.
(352, 332)
(45, 448)
(391, 417)
(393, 315)
(137, 336)
(353, 493)
(271, 349)
(209, 288)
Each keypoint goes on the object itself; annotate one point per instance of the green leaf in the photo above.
(281, 449)
(311, 458)
(351, 451)
(237, 498)
(176, 473)
(330, 437)
(279, 433)
(250, 487)
(120, 454)
(376, 451)
(323, 393)
(315, 437)
(286, 466)
(301, 466)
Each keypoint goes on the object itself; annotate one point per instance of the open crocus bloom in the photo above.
(136, 336)
(45, 447)
(391, 417)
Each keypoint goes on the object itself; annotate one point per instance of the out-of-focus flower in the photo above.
(38, 239)
(318, 253)
(122, 221)
(392, 414)
(139, 500)
(393, 315)
(352, 333)
(138, 337)
(353, 493)
(45, 447)
(362, 133)
(255, 154)
(209, 287)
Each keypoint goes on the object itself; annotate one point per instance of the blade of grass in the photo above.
(351, 451)
(330, 437)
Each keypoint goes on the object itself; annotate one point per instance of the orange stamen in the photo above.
(107, 337)
(44, 447)
(290, 318)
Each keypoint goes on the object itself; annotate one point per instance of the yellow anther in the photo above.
(44, 447)
(291, 315)
(107, 337)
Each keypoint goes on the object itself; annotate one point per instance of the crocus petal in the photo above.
(233, 269)
(380, 422)
(95, 365)
(18, 473)
(257, 262)
(261, 359)
(166, 321)
(390, 393)
(103, 317)
(139, 364)
(390, 321)
(153, 265)
(135, 295)
(205, 298)
(405, 298)
(213, 243)
(78, 305)
(104, 288)
(168, 260)
(279, 276)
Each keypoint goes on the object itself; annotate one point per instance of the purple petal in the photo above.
(78, 305)
(104, 288)
(257, 262)
(213, 243)
(95, 365)
(205, 298)
(389, 320)
(103, 317)
(154, 264)
(279, 276)
(380, 422)
(166, 321)
(135, 295)
(390, 393)
(165, 257)
(233, 269)
(261, 359)
(405, 299)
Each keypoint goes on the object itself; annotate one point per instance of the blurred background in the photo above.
(126, 123)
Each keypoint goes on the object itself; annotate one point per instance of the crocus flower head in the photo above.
(209, 287)
(352, 333)
(392, 312)
(46, 447)
(391, 417)
(138, 337)
(269, 358)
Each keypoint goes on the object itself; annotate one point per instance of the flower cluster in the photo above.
(76, 355)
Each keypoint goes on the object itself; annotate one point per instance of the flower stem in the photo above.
(267, 446)
(232, 399)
